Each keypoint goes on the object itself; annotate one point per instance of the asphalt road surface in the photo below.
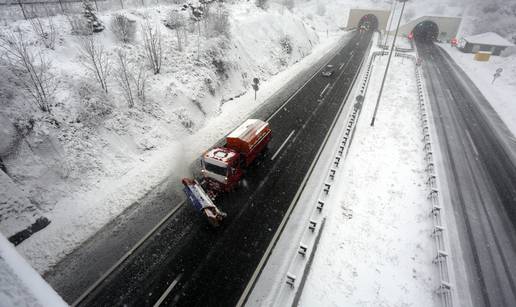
(86, 264)
(189, 263)
(478, 153)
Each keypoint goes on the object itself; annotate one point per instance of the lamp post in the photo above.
(393, 10)
(388, 63)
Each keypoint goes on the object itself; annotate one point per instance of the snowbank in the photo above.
(501, 93)
(376, 249)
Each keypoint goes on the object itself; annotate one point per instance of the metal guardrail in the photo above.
(296, 273)
(441, 259)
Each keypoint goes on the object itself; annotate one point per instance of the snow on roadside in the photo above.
(79, 214)
(20, 284)
(501, 94)
(376, 248)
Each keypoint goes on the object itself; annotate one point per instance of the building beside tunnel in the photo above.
(486, 42)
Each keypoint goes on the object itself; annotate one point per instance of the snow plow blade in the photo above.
(200, 200)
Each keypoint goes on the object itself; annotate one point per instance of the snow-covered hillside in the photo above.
(92, 155)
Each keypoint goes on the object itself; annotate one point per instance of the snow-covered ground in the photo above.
(20, 284)
(501, 94)
(85, 172)
(376, 249)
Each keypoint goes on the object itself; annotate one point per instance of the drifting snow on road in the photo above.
(376, 249)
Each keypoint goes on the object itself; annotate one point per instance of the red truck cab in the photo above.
(222, 167)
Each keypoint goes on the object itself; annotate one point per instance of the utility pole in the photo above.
(390, 21)
(388, 63)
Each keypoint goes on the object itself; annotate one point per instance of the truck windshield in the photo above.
(219, 170)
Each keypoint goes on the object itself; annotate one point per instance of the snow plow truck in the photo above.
(222, 168)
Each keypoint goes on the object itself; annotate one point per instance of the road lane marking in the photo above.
(166, 293)
(313, 76)
(300, 88)
(250, 285)
(325, 88)
(471, 141)
(126, 255)
(349, 60)
(282, 145)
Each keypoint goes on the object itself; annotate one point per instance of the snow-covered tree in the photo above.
(152, 44)
(289, 4)
(176, 21)
(263, 4)
(46, 30)
(124, 77)
(89, 13)
(95, 58)
(197, 15)
(123, 28)
(32, 70)
(218, 22)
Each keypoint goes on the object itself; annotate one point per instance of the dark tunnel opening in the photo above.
(426, 31)
(368, 22)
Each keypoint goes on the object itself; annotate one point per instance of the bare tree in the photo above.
(152, 44)
(32, 70)
(196, 16)
(46, 31)
(141, 82)
(219, 22)
(176, 21)
(123, 28)
(95, 59)
(124, 77)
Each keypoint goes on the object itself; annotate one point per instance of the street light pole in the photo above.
(393, 10)
(388, 63)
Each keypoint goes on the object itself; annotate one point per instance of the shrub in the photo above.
(219, 22)
(94, 106)
(123, 28)
(286, 44)
(263, 4)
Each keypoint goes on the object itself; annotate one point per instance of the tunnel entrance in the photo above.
(369, 22)
(426, 31)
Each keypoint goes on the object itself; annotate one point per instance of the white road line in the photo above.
(471, 141)
(126, 255)
(300, 88)
(325, 88)
(272, 244)
(346, 64)
(165, 294)
(284, 142)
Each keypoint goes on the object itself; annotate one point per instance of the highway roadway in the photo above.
(478, 157)
(186, 262)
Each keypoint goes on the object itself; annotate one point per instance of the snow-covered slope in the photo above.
(89, 159)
